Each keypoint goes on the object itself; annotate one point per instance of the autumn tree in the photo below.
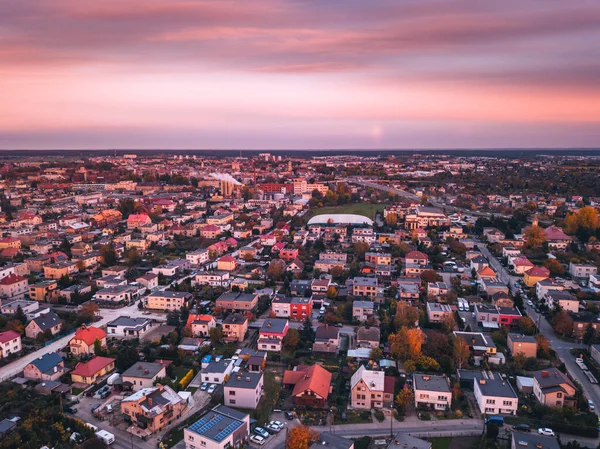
(301, 437)
(534, 236)
(555, 267)
(430, 276)
(406, 343)
(543, 345)
(527, 325)
(89, 310)
(291, 339)
(360, 248)
(275, 270)
(406, 316)
(563, 323)
(376, 354)
(460, 351)
(448, 322)
(405, 398)
(16, 326)
(332, 292)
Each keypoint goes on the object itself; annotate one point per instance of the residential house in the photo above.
(272, 333)
(553, 388)
(60, 269)
(565, 300)
(153, 408)
(542, 288)
(49, 366)
(220, 428)
(138, 221)
(523, 440)
(535, 275)
(368, 337)
(167, 300)
(495, 396)
(243, 390)
(520, 264)
(128, 327)
(212, 278)
(435, 289)
(522, 344)
(333, 441)
(312, 385)
(83, 342)
(227, 263)
(10, 343)
(13, 286)
(148, 280)
(365, 287)
(217, 372)
(235, 327)
(46, 322)
(362, 310)
(327, 339)
(237, 302)
(403, 440)
(91, 371)
(437, 312)
(143, 374)
(200, 325)
(582, 270)
(556, 238)
(432, 391)
(371, 389)
(301, 308)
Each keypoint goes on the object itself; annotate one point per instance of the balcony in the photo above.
(143, 419)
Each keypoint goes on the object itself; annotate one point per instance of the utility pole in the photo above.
(392, 422)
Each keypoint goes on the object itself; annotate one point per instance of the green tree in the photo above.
(376, 354)
(20, 315)
(216, 335)
(291, 340)
(589, 335)
(98, 347)
(109, 254)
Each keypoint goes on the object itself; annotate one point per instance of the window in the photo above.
(231, 392)
(490, 401)
(203, 443)
(559, 395)
(507, 403)
(232, 401)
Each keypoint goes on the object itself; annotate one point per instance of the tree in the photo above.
(109, 254)
(291, 339)
(563, 323)
(555, 267)
(88, 311)
(20, 315)
(460, 351)
(65, 247)
(360, 248)
(405, 398)
(17, 326)
(98, 347)
(332, 292)
(406, 316)
(430, 276)
(543, 345)
(534, 236)
(376, 354)
(301, 437)
(406, 343)
(589, 335)
(491, 430)
(448, 322)
(64, 281)
(275, 270)
(527, 325)
(216, 335)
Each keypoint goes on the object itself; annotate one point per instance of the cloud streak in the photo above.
(196, 68)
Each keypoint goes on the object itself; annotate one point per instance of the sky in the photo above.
(293, 74)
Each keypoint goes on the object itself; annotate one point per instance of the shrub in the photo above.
(425, 417)
(379, 416)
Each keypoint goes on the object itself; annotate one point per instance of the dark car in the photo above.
(522, 427)
(71, 410)
(288, 415)
(95, 409)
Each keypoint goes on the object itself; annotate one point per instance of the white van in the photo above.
(107, 437)
(91, 426)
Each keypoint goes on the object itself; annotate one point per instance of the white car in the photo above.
(261, 432)
(257, 439)
(546, 431)
(212, 389)
(277, 424)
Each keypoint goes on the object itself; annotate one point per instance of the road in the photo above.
(561, 347)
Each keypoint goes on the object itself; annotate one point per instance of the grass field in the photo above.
(366, 209)
(440, 443)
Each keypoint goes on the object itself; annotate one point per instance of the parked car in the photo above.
(212, 388)
(71, 410)
(522, 427)
(95, 409)
(545, 431)
(204, 386)
(288, 415)
(262, 432)
(272, 429)
(105, 394)
(591, 406)
(256, 439)
(109, 408)
(278, 424)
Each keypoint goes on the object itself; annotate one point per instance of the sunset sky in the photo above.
(313, 74)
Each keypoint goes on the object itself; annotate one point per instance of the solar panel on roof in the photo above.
(226, 431)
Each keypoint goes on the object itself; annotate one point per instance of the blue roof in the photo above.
(47, 361)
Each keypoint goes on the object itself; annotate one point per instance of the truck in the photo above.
(580, 364)
(498, 420)
(113, 378)
(107, 437)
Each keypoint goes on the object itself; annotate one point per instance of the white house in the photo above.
(495, 396)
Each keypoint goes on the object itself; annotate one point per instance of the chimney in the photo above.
(545, 373)
(149, 401)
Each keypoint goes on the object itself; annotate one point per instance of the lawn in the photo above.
(440, 443)
(180, 372)
(366, 209)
